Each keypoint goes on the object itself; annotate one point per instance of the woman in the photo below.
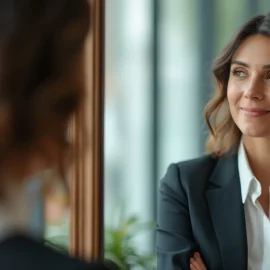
(213, 211)
(41, 86)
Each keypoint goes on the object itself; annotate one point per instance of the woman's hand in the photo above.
(196, 262)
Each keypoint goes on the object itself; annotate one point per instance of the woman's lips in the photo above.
(254, 112)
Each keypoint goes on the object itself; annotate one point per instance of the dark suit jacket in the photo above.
(200, 209)
(24, 253)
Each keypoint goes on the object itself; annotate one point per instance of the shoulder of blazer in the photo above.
(196, 171)
(23, 252)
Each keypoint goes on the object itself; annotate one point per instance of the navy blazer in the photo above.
(200, 209)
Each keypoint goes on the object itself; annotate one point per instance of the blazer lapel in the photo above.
(227, 213)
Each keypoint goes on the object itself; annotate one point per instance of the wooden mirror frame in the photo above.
(86, 187)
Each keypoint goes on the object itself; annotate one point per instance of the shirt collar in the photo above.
(245, 174)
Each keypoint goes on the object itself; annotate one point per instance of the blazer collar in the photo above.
(225, 171)
(227, 213)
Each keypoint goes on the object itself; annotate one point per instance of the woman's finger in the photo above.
(198, 258)
(197, 262)
(194, 265)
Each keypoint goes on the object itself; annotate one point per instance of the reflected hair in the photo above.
(41, 78)
(224, 134)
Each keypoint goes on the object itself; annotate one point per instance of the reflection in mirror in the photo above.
(158, 78)
(56, 214)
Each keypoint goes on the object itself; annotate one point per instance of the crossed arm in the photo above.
(176, 247)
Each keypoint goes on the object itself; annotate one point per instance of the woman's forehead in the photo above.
(255, 50)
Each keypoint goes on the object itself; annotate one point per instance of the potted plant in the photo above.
(119, 244)
(121, 249)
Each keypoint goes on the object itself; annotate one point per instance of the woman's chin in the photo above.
(256, 132)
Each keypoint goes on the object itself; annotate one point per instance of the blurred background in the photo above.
(157, 80)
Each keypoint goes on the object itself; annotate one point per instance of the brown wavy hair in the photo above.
(224, 135)
(41, 79)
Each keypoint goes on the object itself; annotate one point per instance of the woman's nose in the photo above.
(254, 89)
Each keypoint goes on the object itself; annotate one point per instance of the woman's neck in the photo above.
(258, 154)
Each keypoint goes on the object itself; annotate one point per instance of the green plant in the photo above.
(119, 244)
(121, 249)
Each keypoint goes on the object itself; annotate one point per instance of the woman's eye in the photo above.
(268, 76)
(239, 73)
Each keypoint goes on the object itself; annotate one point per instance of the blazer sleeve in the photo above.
(175, 243)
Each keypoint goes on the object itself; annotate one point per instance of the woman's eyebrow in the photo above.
(237, 62)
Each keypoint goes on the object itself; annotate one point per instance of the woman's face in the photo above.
(249, 87)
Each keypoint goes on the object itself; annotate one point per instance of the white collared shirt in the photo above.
(257, 222)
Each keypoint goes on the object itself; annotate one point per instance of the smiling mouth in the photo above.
(254, 112)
